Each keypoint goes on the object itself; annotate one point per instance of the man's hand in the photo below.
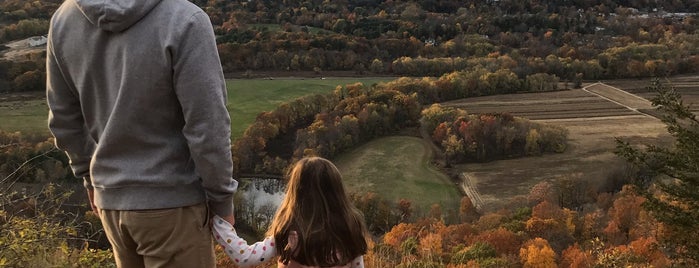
(91, 196)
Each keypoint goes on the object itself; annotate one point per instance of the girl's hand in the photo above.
(230, 219)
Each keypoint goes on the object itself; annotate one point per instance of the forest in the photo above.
(573, 40)
(443, 50)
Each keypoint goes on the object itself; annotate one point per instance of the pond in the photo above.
(257, 200)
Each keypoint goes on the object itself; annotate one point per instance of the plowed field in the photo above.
(594, 117)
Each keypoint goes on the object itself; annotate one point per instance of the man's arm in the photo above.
(201, 90)
(66, 121)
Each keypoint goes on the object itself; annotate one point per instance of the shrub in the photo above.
(35, 231)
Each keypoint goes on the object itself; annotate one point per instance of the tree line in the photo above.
(573, 40)
(374, 36)
(326, 125)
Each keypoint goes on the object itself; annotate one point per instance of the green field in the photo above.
(26, 116)
(246, 99)
(398, 167)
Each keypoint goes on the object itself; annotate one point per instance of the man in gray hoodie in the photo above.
(137, 100)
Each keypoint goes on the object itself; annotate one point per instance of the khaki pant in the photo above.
(176, 237)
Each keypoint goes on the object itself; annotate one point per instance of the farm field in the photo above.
(574, 103)
(28, 112)
(686, 85)
(593, 116)
(398, 167)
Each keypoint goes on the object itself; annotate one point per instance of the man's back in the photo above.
(148, 94)
(137, 100)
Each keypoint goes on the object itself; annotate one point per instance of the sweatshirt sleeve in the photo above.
(238, 250)
(66, 121)
(201, 90)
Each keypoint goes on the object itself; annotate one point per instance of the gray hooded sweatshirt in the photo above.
(137, 100)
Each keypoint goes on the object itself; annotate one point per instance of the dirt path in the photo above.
(471, 190)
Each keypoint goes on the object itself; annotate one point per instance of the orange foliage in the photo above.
(399, 234)
(467, 211)
(613, 233)
(574, 257)
(538, 226)
(547, 210)
(440, 133)
(489, 221)
(647, 247)
(591, 225)
(537, 253)
(431, 244)
(504, 241)
(455, 235)
(626, 209)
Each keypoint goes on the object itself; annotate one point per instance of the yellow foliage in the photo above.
(431, 244)
(537, 253)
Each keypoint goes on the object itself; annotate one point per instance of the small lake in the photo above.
(257, 201)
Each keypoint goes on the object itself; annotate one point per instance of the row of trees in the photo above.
(23, 29)
(486, 137)
(406, 57)
(322, 125)
(572, 40)
(375, 35)
(329, 124)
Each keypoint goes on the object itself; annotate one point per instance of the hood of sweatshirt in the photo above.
(115, 15)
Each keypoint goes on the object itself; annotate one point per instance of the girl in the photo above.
(316, 224)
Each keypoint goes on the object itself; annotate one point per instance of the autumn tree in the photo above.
(467, 211)
(672, 187)
(537, 253)
(575, 257)
(504, 242)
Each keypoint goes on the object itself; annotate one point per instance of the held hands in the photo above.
(230, 219)
(91, 196)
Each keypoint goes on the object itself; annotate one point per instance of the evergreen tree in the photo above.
(671, 183)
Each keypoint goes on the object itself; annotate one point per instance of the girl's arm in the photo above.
(237, 249)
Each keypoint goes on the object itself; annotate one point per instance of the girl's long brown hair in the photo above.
(330, 230)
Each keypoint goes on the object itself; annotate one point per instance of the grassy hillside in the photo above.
(397, 167)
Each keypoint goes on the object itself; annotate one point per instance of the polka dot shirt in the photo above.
(245, 255)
